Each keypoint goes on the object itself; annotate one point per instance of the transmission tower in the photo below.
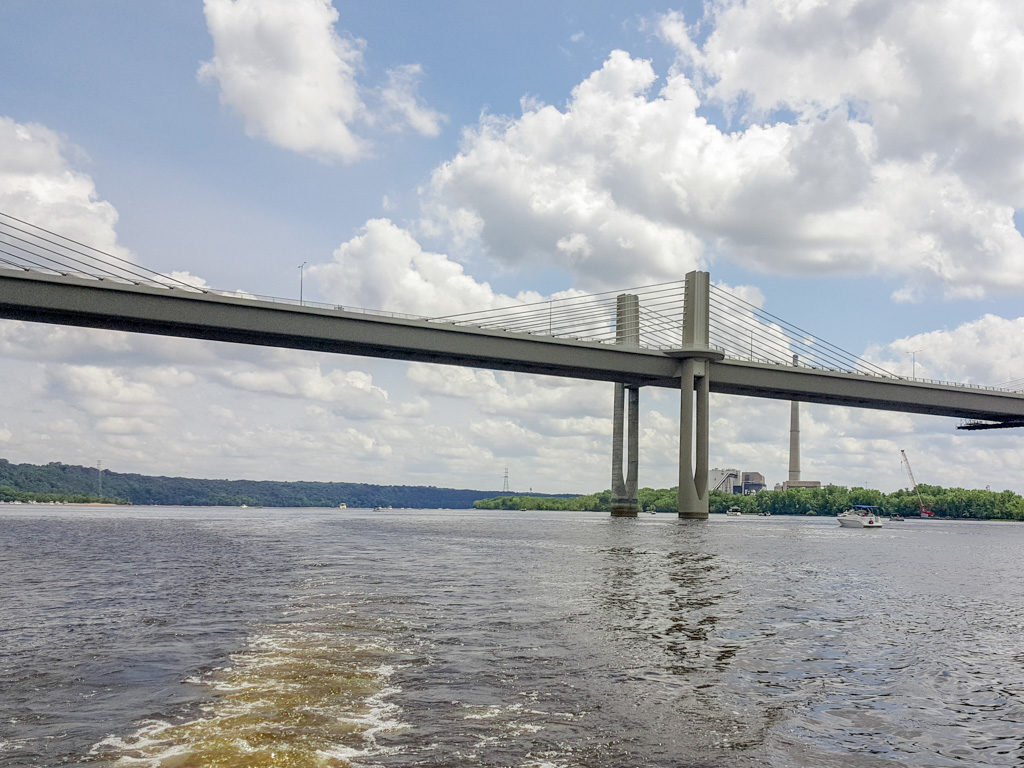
(505, 488)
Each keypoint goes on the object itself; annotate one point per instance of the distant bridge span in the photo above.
(691, 366)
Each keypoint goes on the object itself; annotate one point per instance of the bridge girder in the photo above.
(119, 306)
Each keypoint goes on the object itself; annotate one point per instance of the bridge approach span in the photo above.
(114, 305)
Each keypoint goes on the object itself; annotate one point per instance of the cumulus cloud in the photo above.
(40, 184)
(630, 183)
(351, 392)
(508, 394)
(384, 267)
(293, 78)
(988, 351)
(102, 389)
(930, 76)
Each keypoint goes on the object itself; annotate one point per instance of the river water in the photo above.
(188, 637)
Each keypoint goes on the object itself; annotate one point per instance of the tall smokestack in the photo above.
(794, 438)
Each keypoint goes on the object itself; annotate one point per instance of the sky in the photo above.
(855, 166)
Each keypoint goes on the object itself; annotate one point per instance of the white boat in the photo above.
(860, 516)
(733, 512)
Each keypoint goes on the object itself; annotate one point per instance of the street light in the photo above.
(300, 280)
(913, 362)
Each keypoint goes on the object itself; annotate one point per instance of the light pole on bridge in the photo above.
(303, 264)
(913, 362)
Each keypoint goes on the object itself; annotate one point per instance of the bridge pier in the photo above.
(693, 448)
(627, 333)
(624, 496)
(694, 356)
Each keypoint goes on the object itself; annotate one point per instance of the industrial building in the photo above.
(735, 481)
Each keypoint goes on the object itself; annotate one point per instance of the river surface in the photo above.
(188, 637)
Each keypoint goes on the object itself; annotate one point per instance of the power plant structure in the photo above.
(794, 439)
(794, 480)
(734, 481)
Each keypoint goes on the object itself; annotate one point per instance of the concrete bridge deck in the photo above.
(115, 305)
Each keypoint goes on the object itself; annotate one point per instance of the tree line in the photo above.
(59, 482)
(829, 500)
(8, 494)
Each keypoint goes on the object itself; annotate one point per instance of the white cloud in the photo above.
(400, 105)
(931, 76)
(527, 397)
(628, 182)
(987, 351)
(122, 425)
(351, 392)
(293, 78)
(281, 65)
(39, 184)
(384, 267)
(102, 390)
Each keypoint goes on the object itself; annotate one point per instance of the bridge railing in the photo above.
(314, 304)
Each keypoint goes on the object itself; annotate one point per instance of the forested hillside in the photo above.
(67, 479)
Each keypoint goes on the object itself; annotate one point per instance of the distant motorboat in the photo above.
(896, 518)
(733, 512)
(860, 516)
(343, 505)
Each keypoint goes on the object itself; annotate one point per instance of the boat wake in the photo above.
(303, 693)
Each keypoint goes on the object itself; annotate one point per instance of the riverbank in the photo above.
(946, 503)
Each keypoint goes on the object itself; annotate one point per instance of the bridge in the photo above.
(688, 335)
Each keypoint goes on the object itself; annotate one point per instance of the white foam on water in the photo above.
(303, 693)
(488, 713)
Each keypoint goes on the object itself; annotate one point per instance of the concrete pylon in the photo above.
(695, 358)
(627, 333)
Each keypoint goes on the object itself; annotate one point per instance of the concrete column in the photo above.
(618, 484)
(695, 356)
(693, 464)
(697, 310)
(627, 333)
(700, 472)
(689, 501)
(633, 452)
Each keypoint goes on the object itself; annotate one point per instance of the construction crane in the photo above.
(925, 512)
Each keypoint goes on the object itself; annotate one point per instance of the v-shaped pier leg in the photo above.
(624, 496)
(693, 469)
